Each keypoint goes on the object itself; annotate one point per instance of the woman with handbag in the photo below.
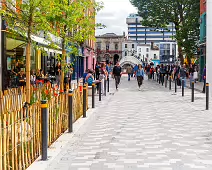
(140, 76)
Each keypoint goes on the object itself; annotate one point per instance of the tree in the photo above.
(75, 23)
(184, 14)
(26, 19)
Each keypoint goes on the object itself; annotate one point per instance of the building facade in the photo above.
(168, 52)
(109, 47)
(202, 50)
(129, 48)
(146, 35)
(147, 52)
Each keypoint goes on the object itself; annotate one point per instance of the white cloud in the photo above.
(114, 15)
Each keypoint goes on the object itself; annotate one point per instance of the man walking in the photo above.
(129, 72)
(182, 74)
(117, 74)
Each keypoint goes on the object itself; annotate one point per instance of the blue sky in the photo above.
(113, 15)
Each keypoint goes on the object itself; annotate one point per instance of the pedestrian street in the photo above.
(151, 129)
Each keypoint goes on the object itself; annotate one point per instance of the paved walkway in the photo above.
(152, 129)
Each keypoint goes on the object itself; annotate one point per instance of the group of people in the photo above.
(137, 72)
(159, 72)
(176, 72)
(100, 74)
(38, 77)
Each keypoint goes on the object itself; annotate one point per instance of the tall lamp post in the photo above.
(3, 62)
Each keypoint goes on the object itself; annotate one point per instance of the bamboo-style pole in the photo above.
(28, 64)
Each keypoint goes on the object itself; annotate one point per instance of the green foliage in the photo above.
(28, 18)
(74, 21)
(183, 13)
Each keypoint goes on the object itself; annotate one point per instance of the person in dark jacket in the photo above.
(117, 74)
(182, 74)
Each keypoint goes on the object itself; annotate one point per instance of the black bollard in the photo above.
(182, 87)
(162, 80)
(170, 83)
(108, 85)
(192, 91)
(100, 91)
(84, 101)
(165, 81)
(70, 111)
(93, 95)
(44, 129)
(207, 95)
(175, 85)
(159, 78)
(105, 87)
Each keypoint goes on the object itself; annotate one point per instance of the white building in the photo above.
(147, 52)
(129, 48)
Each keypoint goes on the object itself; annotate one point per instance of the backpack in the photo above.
(90, 81)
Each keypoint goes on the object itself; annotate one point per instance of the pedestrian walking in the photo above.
(148, 71)
(117, 74)
(129, 72)
(182, 74)
(140, 76)
(135, 69)
(103, 76)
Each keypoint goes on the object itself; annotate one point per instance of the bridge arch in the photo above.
(131, 60)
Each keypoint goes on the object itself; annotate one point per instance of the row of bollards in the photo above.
(160, 79)
(45, 113)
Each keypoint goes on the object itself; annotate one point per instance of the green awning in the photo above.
(13, 43)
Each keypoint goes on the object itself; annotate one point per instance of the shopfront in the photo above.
(89, 59)
(14, 59)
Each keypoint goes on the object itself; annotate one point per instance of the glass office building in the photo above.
(168, 52)
(146, 35)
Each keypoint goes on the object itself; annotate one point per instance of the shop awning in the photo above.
(52, 50)
(13, 43)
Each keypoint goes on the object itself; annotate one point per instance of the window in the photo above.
(147, 49)
(125, 45)
(139, 50)
(125, 53)
(174, 49)
(107, 46)
(147, 55)
(133, 45)
(155, 56)
(116, 46)
(98, 46)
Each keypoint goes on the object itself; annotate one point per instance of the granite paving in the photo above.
(151, 129)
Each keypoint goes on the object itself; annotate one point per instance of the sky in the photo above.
(114, 15)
